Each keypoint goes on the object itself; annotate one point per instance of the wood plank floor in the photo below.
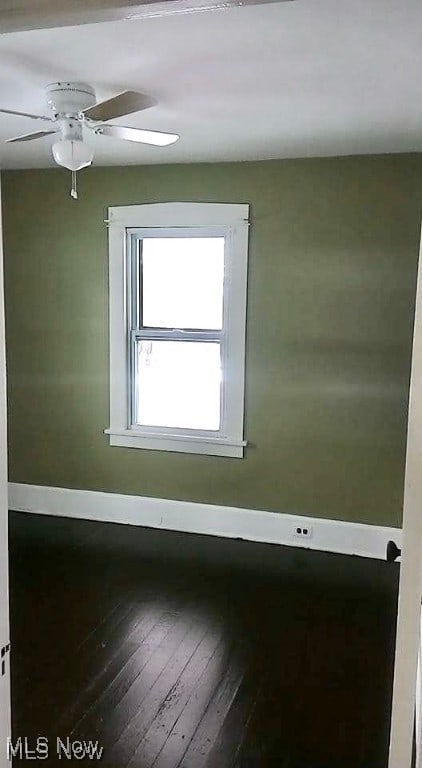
(182, 651)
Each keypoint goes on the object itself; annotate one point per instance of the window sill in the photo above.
(210, 446)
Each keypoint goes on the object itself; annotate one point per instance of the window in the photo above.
(177, 326)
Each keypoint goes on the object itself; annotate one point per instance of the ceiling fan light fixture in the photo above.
(75, 112)
(73, 154)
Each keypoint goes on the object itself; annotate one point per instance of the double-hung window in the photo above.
(177, 290)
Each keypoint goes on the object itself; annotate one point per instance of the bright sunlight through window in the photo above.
(178, 380)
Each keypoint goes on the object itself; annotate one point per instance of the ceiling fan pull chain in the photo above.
(74, 191)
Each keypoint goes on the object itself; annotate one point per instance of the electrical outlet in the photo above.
(302, 531)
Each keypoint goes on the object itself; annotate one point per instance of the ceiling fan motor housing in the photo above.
(66, 98)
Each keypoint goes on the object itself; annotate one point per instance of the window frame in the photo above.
(126, 223)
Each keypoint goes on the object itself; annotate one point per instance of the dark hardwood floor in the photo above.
(182, 651)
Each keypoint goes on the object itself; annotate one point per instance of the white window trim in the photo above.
(233, 218)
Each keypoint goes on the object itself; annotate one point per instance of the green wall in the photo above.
(333, 255)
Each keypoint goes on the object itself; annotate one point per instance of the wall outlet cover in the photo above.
(302, 531)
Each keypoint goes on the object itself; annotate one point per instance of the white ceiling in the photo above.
(307, 78)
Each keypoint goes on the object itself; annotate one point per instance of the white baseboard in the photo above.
(189, 517)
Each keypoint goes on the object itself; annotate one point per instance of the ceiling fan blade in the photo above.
(157, 138)
(30, 136)
(26, 114)
(124, 104)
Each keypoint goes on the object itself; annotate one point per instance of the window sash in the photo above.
(176, 334)
(139, 332)
(135, 239)
(136, 336)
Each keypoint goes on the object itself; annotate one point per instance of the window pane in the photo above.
(178, 384)
(182, 282)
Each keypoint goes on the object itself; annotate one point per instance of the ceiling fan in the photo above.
(74, 109)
